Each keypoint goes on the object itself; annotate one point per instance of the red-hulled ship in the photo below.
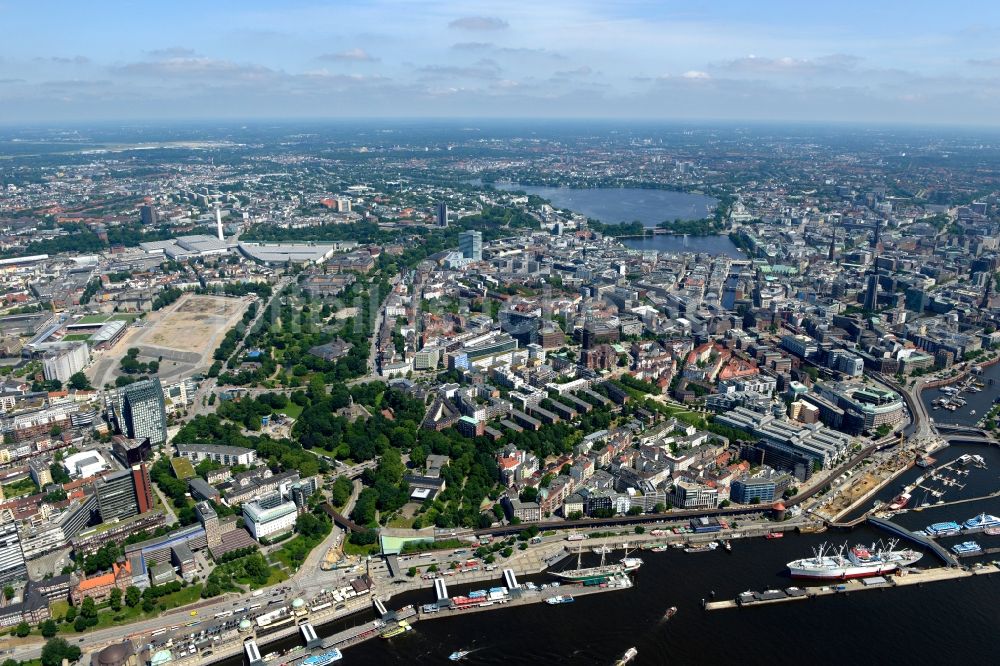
(899, 502)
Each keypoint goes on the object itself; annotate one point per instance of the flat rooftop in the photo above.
(279, 253)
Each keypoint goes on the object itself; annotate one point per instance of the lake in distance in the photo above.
(614, 205)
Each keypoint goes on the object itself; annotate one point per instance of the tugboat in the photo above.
(670, 613)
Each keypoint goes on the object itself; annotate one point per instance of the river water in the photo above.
(951, 621)
(615, 205)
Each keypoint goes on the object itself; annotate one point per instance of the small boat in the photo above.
(629, 655)
(702, 548)
(967, 548)
(728, 546)
(774, 535)
(323, 659)
(560, 599)
(459, 655)
(670, 613)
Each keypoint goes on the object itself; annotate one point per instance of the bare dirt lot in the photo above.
(195, 323)
(182, 336)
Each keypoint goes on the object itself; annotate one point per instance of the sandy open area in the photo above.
(195, 324)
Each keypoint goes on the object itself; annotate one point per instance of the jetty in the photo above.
(903, 579)
(925, 542)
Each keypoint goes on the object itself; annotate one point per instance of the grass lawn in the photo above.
(19, 488)
(277, 576)
(100, 318)
(183, 468)
(292, 411)
(298, 547)
(57, 609)
(401, 521)
(72, 337)
(353, 549)
(182, 597)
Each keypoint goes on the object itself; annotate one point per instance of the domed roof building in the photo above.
(120, 654)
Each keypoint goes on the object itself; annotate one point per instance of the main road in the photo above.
(307, 582)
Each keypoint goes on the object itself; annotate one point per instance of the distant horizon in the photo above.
(926, 64)
(571, 121)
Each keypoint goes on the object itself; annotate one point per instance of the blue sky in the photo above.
(913, 62)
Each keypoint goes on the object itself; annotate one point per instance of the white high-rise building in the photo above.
(63, 363)
(12, 565)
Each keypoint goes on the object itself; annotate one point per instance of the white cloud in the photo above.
(172, 52)
(696, 74)
(350, 55)
(479, 23)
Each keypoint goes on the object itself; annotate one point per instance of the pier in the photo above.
(904, 533)
(876, 582)
(380, 607)
(355, 635)
(510, 579)
(523, 597)
(440, 589)
(252, 653)
(309, 634)
(958, 501)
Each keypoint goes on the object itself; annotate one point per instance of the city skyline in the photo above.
(663, 61)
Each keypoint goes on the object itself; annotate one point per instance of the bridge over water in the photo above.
(912, 537)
